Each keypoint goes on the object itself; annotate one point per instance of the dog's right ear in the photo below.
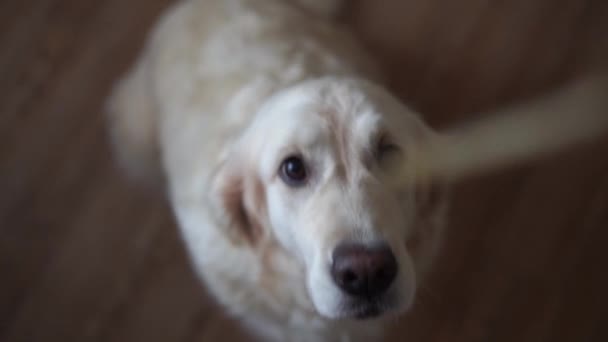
(133, 130)
(237, 198)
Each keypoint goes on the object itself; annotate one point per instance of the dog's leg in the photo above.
(133, 130)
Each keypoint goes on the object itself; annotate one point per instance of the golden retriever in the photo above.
(266, 122)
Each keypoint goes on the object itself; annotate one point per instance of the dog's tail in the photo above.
(325, 8)
(573, 115)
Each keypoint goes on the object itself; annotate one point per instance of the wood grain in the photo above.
(87, 256)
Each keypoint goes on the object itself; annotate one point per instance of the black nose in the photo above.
(363, 271)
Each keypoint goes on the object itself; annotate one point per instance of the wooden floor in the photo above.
(86, 256)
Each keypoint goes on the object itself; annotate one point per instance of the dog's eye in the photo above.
(293, 171)
(385, 147)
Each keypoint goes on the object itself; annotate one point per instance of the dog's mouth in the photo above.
(368, 311)
(364, 309)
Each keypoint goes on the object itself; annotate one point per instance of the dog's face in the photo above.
(316, 165)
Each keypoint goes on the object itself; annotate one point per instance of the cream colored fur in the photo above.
(223, 91)
(227, 89)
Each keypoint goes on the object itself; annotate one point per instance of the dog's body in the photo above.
(222, 89)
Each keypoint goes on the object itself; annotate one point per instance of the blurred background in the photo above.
(87, 256)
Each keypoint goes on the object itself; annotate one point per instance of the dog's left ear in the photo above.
(428, 227)
(239, 200)
(431, 197)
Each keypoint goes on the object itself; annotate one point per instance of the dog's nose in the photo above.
(363, 271)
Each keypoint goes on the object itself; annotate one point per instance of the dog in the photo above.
(269, 127)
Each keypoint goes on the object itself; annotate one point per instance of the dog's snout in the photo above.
(363, 271)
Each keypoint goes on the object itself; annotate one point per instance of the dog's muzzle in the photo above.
(364, 273)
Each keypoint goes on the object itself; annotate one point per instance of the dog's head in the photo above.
(312, 172)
